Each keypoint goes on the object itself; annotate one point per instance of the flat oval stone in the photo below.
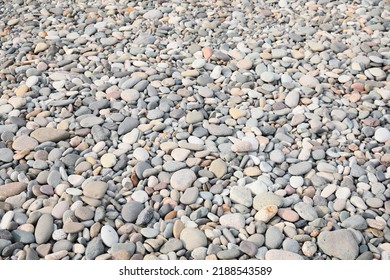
(44, 229)
(109, 235)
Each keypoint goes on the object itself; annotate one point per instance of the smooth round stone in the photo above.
(306, 211)
(194, 117)
(382, 135)
(193, 238)
(108, 160)
(343, 193)
(241, 195)
(84, 213)
(244, 64)
(198, 63)
(95, 189)
(182, 179)
(153, 14)
(73, 227)
(180, 154)
(300, 168)
(76, 180)
(266, 213)
(48, 134)
(59, 209)
(74, 191)
(6, 219)
(267, 77)
(90, 121)
(6, 155)
(130, 95)
(189, 196)
(149, 232)
(24, 142)
(32, 81)
(140, 196)
(288, 214)
(264, 199)
(291, 245)
(12, 189)
(296, 181)
(218, 167)
(141, 154)
(374, 202)
(44, 229)
(131, 210)
(339, 243)
(235, 220)
(308, 81)
(109, 235)
(273, 237)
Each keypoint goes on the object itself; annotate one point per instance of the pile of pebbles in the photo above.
(222, 129)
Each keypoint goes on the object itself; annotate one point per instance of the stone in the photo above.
(218, 167)
(44, 229)
(264, 199)
(172, 245)
(382, 135)
(248, 247)
(95, 189)
(12, 189)
(277, 156)
(131, 210)
(308, 81)
(266, 213)
(288, 214)
(6, 155)
(194, 117)
(339, 243)
(193, 238)
(355, 222)
(45, 134)
(182, 179)
(235, 220)
(189, 196)
(306, 211)
(108, 160)
(109, 235)
(292, 99)
(23, 142)
(241, 195)
(300, 168)
(40, 47)
(273, 237)
(94, 248)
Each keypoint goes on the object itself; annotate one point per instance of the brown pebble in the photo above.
(121, 255)
(73, 227)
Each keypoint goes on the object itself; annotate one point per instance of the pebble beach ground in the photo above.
(195, 129)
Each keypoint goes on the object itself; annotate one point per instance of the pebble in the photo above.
(235, 220)
(265, 199)
(306, 211)
(95, 190)
(12, 189)
(339, 243)
(44, 229)
(300, 168)
(382, 135)
(193, 238)
(47, 134)
(219, 168)
(241, 195)
(109, 235)
(182, 179)
(131, 210)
